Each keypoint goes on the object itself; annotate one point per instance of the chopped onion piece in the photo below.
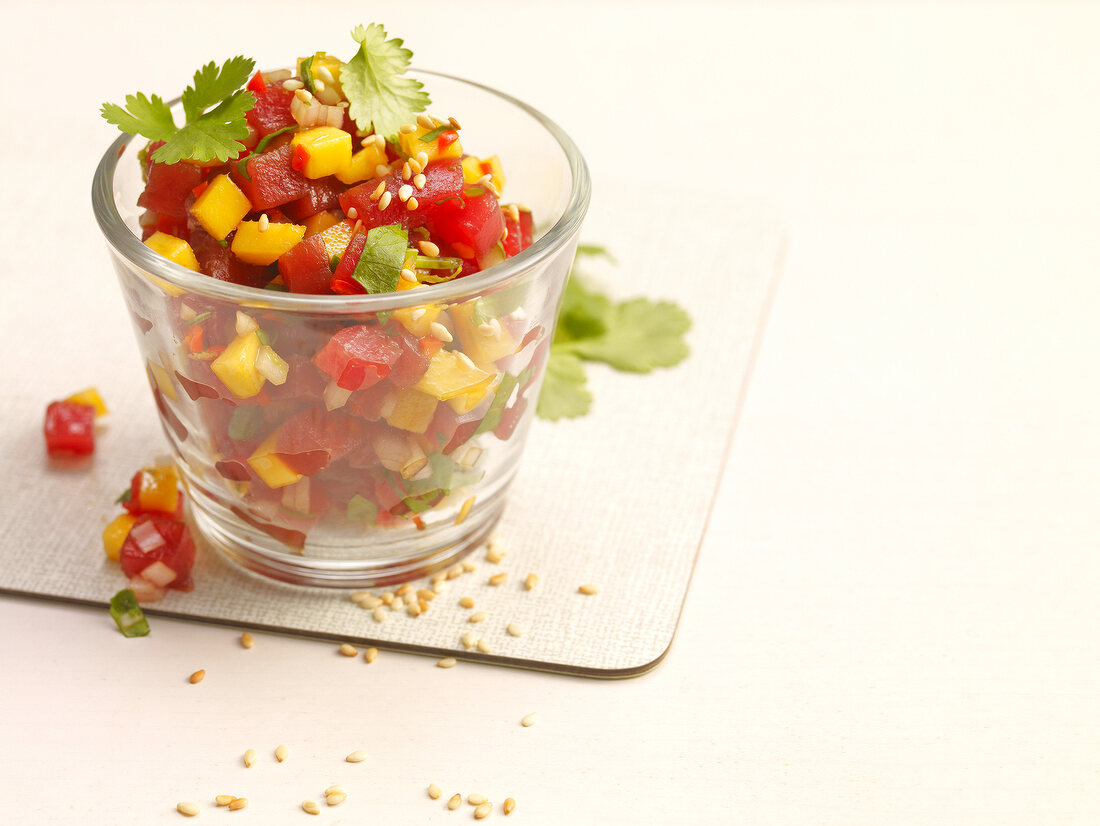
(296, 496)
(470, 456)
(146, 537)
(315, 113)
(277, 75)
(271, 366)
(245, 324)
(146, 591)
(335, 396)
(415, 460)
(158, 573)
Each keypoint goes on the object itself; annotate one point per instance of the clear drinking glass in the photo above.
(304, 483)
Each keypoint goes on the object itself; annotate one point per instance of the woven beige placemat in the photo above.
(619, 498)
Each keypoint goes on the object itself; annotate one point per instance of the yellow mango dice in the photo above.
(91, 398)
(220, 207)
(473, 168)
(451, 374)
(412, 146)
(163, 380)
(174, 249)
(264, 246)
(236, 366)
(336, 238)
(274, 472)
(362, 165)
(159, 489)
(486, 343)
(316, 224)
(412, 410)
(326, 68)
(115, 534)
(475, 396)
(329, 150)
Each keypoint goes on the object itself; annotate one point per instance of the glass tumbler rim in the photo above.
(126, 244)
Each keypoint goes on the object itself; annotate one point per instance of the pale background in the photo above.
(894, 613)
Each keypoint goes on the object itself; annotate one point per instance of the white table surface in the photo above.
(894, 615)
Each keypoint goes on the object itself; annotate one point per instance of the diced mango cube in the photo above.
(412, 410)
(316, 224)
(114, 535)
(412, 146)
(163, 380)
(475, 396)
(236, 366)
(482, 339)
(91, 398)
(417, 320)
(362, 165)
(336, 238)
(220, 207)
(326, 68)
(473, 168)
(264, 246)
(451, 374)
(274, 472)
(329, 150)
(174, 249)
(159, 489)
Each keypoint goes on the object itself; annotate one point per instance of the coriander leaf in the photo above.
(212, 85)
(378, 96)
(305, 72)
(149, 117)
(640, 336)
(379, 267)
(428, 137)
(501, 396)
(584, 312)
(217, 134)
(362, 509)
(594, 251)
(564, 393)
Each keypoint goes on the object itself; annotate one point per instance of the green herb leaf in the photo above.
(124, 496)
(379, 267)
(362, 509)
(149, 117)
(305, 72)
(200, 318)
(501, 396)
(584, 312)
(217, 134)
(128, 615)
(213, 85)
(428, 137)
(594, 251)
(244, 422)
(261, 147)
(564, 393)
(641, 335)
(379, 97)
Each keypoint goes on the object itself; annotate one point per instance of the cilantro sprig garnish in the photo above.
(379, 97)
(635, 336)
(214, 108)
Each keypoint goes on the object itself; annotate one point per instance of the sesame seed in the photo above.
(412, 204)
(485, 328)
(405, 589)
(249, 758)
(468, 566)
(246, 640)
(439, 587)
(357, 756)
(318, 84)
(223, 799)
(482, 811)
(509, 805)
(398, 602)
(531, 581)
(442, 575)
(476, 799)
(238, 803)
(429, 249)
(310, 807)
(353, 213)
(426, 122)
(335, 799)
(463, 512)
(422, 158)
(454, 123)
(381, 171)
(303, 95)
(370, 655)
(447, 662)
(465, 359)
(407, 129)
(466, 602)
(416, 315)
(197, 676)
(479, 616)
(424, 593)
(408, 275)
(515, 630)
(188, 809)
(498, 579)
(406, 171)
(355, 229)
(434, 792)
(324, 74)
(494, 555)
(371, 603)
(469, 640)
(513, 212)
(483, 647)
(335, 788)
(589, 590)
(281, 753)
(454, 802)
(387, 597)
(419, 181)
(454, 571)
(263, 223)
(384, 201)
(348, 650)
(378, 190)
(292, 85)
(440, 332)
(413, 610)
(530, 719)
(379, 614)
